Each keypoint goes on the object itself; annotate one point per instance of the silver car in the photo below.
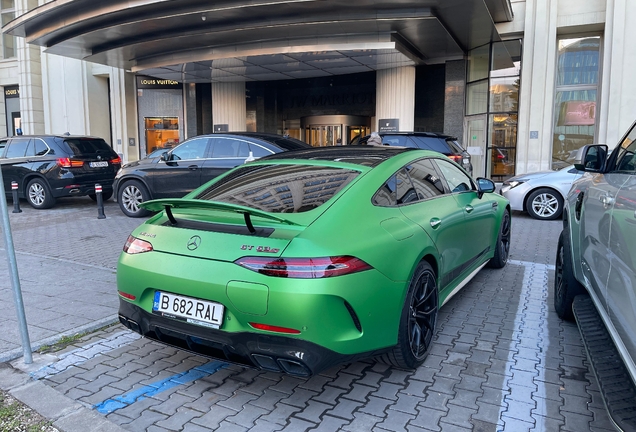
(595, 276)
(542, 193)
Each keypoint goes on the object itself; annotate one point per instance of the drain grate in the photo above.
(617, 388)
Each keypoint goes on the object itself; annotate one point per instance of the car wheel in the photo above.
(417, 321)
(544, 204)
(130, 195)
(39, 195)
(566, 287)
(105, 196)
(502, 247)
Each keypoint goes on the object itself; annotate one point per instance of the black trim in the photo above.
(261, 351)
(217, 227)
(454, 273)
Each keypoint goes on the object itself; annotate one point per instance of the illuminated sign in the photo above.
(144, 82)
(12, 92)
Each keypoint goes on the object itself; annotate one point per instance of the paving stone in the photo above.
(362, 423)
(576, 404)
(329, 394)
(407, 403)
(459, 416)
(205, 402)
(268, 400)
(444, 385)
(264, 426)
(297, 425)
(428, 418)
(316, 383)
(146, 419)
(466, 398)
(388, 391)
(425, 374)
(519, 411)
(287, 384)
(172, 404)
(280, 414)
(344, 380)
(247, 416)
(226, 426)
(488, 413)
(176, 421)
(396, 421)
(376, 406)
(237, 401)
(519, 425)
(344, 409)
(330, 424)
(546, 424)
(213, 418)
(299, 398)
(371, 379)
(359, 392)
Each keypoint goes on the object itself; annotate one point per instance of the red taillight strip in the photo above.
(69, 163)
(116, 161)
(126, 295)
(276, 329)
(304, 268)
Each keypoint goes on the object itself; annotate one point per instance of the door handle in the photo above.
(193, 167)
(469, 208)
(606, 200)
(435, 222)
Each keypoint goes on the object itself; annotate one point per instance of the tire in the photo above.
(38, 194)
(417, 321)
(105, 196)
(502, 247)
(545, 204)
(132, 193)
(566, 287)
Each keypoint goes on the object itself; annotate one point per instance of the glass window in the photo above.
(279, 189)
(40, 148)
(8, 42)
(258, 151)
(456, 179)
(226, 148)
(17, 148)
(192, 149)
(161, 133)
(82, 146)
(477, 97)
(3, 144)
(626, 160)
(478, 62)
(574, 123)
(385, 196)
(405, 191)
(397, 140)
(504, 94)
(425, 179)
(432, 143)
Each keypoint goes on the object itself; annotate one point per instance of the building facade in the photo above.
(522, 84)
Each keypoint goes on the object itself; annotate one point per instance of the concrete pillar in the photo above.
(395, 96)
(30, 79)
(190, 109)
(228, 106)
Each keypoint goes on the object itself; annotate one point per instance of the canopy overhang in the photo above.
(245, 40)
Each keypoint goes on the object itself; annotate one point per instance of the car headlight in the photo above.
(513, 184)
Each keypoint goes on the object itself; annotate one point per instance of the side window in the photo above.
(226, 148)
(405, 191)
(259, 151)
(192, 149)
(426, 179)
(456, 179)
(626, 160)
(17, 148)
(397, 140)
(385, 196)
(40, 148)
(3, 144)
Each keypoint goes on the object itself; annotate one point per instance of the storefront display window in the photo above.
(161, 133)
(575, 98)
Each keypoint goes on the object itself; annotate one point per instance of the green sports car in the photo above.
(306, 259)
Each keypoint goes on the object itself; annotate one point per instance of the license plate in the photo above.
(194, 311)
(98, 164)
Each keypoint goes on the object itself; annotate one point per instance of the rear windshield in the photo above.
(82, 146)
(279, 188)
(432, 143)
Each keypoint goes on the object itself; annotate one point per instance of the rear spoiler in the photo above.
(168, 204)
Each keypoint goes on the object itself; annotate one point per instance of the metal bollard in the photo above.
(100, 202)
(16, 200)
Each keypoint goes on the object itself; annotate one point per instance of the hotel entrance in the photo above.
(332, 130)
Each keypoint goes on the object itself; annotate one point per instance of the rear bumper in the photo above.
(81, 189)
(267, 352)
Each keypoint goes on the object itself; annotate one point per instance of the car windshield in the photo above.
(82, 146)
(279, 188)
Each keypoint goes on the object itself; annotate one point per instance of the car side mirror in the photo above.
(165, 156)
(485, 185)
(591, 158)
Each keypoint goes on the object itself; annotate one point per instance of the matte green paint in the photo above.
(391, 240)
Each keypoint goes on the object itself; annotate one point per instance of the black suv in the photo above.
(444, 144)
(190, 164)
(47, 167)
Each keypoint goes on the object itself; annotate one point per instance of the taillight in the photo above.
(456, 158)
(70, 163)
(126, 295)
(304, 268)
(116, 161)
(134, 246)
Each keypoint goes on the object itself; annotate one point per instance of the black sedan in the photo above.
(192, 163)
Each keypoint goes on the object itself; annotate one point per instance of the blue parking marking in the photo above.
(110, 405)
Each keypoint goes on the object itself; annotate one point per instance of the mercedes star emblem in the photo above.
(194, 242)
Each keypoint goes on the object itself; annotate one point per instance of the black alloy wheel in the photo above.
(502, 247)
(418, 320)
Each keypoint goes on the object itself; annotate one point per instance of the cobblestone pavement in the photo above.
(502, 359)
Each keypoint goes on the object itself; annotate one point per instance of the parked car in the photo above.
(190, 164)
(542, 193)
(47, 167)
(444, 144)
(595, 277)
(306, 259)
